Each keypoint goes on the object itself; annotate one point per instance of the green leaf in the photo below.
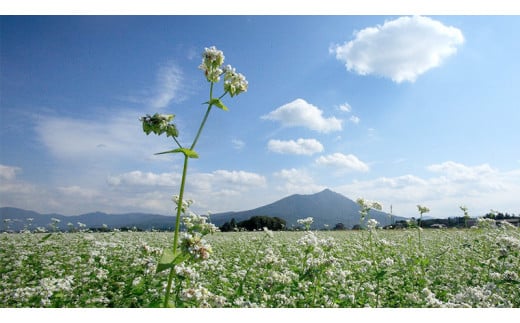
(47, 236)
(169, 260)
(187, 152)
(218, 104)
(380, 274)
(171, 131)
(166, 260)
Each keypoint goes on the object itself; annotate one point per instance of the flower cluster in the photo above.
(306, 222)
(185, 203)
(366, 205)
(234, 83)
(196, 223)
(422, 209)
(212, 60)
(372, 224)
(485, 223)
(195, 246)
(159, 124)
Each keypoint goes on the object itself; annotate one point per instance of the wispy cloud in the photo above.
(299, 113)
(342, 162)
(238, 144)
(400, 49)
(76, 191)
(168, 84)
(299, 147)
(9, 172)
(144, 179)
(118, 135)
(480, 187)
(345, 107)
(217, 189)
(296, 181)
(240, 178)
(354, 119)
(460, 172)
(10, 185)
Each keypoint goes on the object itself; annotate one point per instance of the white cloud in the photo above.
(79, 192)
(241, 178)
(459, 172)
(110, 138)
(400, 49)
(296, 181)
(354, 119)
(299, 113)
(168, 86)
(345, 107)
(9, 172)
(298, 147)
(343, 162)
(479, 187)
(144, 179)
(169, 81)
(225, 190)
(10, 186)
(220, 190)
(238, 144)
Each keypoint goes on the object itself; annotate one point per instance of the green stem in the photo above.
(205, 118)
(177, 142)
(419, 231)
(177, 227)
(181, 195)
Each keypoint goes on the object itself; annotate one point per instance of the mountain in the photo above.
(19, 220)
(326, 207)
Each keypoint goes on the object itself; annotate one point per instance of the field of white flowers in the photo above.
(476, 267)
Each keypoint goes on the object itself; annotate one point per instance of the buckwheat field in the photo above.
(476, 267)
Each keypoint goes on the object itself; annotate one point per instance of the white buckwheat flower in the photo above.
(234, 83)
(212, 60)
(372, 224)
(306, 222)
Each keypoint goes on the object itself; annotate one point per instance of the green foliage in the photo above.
(159, 124)
(218, 103)
(187, 152)
(339, 226)
(255, 223)
(169, 260)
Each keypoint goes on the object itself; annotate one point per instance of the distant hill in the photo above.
(326, 207)
(19, 220)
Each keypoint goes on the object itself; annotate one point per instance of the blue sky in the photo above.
(404, 110)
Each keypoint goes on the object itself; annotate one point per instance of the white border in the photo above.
(259, 7)
(257, 315)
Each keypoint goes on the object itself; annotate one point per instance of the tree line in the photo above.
(255, 223)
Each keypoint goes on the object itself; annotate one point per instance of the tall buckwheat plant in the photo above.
(464, 209)
(422, 210)
(365, 206)
(234, 84)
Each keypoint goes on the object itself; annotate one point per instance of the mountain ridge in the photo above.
(327, 207)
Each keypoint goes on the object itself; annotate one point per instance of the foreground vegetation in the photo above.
(477, 267)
